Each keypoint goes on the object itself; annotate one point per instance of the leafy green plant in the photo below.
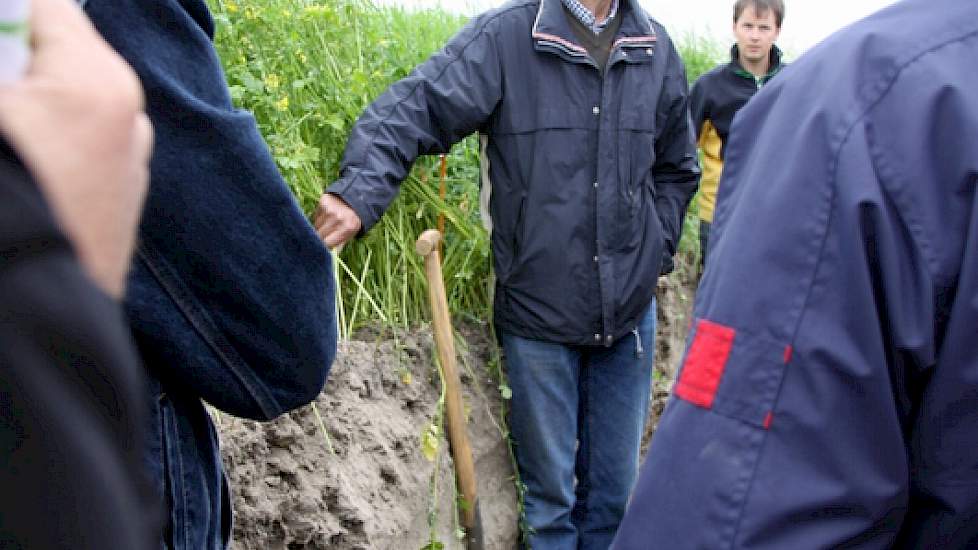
(307, 69)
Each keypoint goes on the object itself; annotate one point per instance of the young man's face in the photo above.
(755, 33)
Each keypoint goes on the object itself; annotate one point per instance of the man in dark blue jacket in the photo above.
(591, 163)
(231, 294)
(829, 395)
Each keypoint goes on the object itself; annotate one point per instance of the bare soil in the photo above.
(349, 473)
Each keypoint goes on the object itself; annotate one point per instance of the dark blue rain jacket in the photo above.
(829, 393)
(590, 173)
(231, 295)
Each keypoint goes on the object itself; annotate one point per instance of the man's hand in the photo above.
(335, 221)
(76, 119)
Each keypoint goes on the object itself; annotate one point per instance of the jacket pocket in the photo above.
(637, 157)
(732, 373)
(511, 243)
(518, 237)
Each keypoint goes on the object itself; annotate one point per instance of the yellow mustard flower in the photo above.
(272, 81)
(231, 7)
(282, 104)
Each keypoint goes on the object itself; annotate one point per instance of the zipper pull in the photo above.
(639, 352)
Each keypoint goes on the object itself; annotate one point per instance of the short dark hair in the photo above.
(777, 6)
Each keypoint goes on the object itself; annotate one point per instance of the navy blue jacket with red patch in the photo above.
(829, 394)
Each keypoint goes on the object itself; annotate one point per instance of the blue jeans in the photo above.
(576, 417)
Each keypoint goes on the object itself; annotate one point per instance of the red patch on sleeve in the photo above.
(704, 363)
(768, 420)
(788, 350)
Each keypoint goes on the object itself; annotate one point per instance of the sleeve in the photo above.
(821, 401)
(231, 297)
(710, 145)
(698, 109)
(676, 169)
(930, 167)
(70, 408)
(444, 99)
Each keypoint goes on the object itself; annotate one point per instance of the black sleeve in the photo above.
(698, 108)
(676, 167)
(231, 297)
(69, 381)
(444, 99)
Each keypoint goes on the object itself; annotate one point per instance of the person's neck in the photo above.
(599, 8)
(759, 68)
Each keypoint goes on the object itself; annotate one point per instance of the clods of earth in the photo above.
(367, 467)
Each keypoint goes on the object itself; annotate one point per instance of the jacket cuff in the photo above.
(668, 265)
(346, 190)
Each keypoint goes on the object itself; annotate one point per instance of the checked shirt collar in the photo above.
(585, 16)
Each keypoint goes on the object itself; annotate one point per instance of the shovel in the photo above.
(458, 437)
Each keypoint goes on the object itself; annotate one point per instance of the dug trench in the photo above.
(350, 472)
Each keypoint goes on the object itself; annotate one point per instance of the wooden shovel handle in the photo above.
(458, 438)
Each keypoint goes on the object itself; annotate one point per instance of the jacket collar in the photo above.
(775, 63)
(552, 29)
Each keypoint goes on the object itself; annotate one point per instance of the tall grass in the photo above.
(307, 69)
(700, 54)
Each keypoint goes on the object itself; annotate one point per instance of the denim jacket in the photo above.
(231, 297)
